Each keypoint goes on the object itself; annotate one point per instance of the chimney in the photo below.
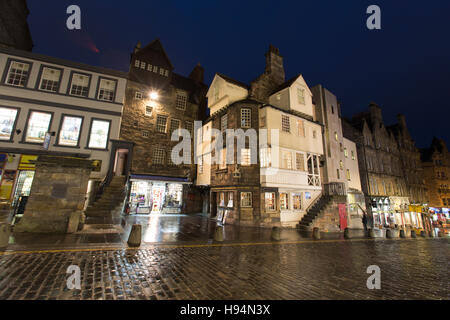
(197, 73)
(274, 65)
(138, 47)
(402, 121)
(375, 113)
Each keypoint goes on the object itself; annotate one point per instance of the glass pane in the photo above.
(99, 134)
(70, 131)
(38, 124)
(7, 118)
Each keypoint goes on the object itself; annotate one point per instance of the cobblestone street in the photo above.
(334, 269)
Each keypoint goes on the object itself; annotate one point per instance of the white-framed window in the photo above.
(181, 101)
(301, 95)
(139, 95)
(246, 118)
(148, 111)
(299, 161)
(287, 160)
(285, 123)
(161, 123)
(7, 120)
(69, 132)
(166, 73)
(18, 74)
(159, 156)
(106, 90)
(174, 125)
(269, 200)
(301, 128)
(50, 79)
(297, 201)
(284, 201)
(137, 63)
(143, 64)
(161, 71)
(155, 69)
(37, 126)
(80, 85)
(245, 157)
(224, 123)
(246, 199)
(266, 157)
(149, 67)
(98, 137)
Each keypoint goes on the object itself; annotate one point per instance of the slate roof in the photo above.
(231, 80)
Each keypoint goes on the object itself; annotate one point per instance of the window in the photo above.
(159, 156)
(245, 157)
(285, 124)
(98, 137)
(155, 69)
(7, 120)
(189, 127)
(338, 174)
(297, 202)
(332, 109)
(161, 124)
(107, 90)
(223, 160)
(246, 117)
(37, 126)
(18, 73)
(149, 67)
(279, 96)
(143, 65)
(353, 155)
(174, 125)
(301, 95)
(137, 63)
(166, 73)
(50, 79)
(341, 165)
(224, 123)
(161, 71)
(246, 199)
(335, 136)
(301, 128)
(265, 158)
(263, 121)
(284, 201)
(181, 100)
(148, 111)
(145, 133)
(314, 134)
(300, 161)
(80, 85)
(139, 95)
(287, 160)
(230, 200)
(269, 200)
(69, 132)
(348, 175)
(346, 152)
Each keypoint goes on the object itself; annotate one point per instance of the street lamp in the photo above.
(154, 95)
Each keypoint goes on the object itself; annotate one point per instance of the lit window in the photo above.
(181, 100)
(287, 160)
(245, 157)
(107, 90)
(246, 199)
(301, 95)
(161, 124)
(7, 120)
(149, 67)
(18, 74)
(139, 95)
(69, 133)
(98, 138)
(224, 123)
(300, 161)
(148, 111)
(266, 158)
(246, 117)
(284, 201)
(50, 79)
(348, 174)
(353, 155)
(269, 200)
(230, 199)
(38, 125)
(335, 136)
(80, 85)
(341, 165)
(297, 202)
(301, 128)
(159, 156)
(174, 125)
(161, 71)
(155, 69)
(166, 73)
(346, 152)
(285, 124)
(279, 97)
(137, 63)
(143, 65)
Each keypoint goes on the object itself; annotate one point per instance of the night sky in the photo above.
(405, 67)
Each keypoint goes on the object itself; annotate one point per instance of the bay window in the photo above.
(99, 134)
(37, 126)
(7, 120)
(69, 132)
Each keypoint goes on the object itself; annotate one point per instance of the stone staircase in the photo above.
(107, 209)
(313, 212)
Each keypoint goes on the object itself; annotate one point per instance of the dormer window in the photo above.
(301, 95)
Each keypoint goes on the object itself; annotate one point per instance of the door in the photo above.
(343, 216)
(157, 195)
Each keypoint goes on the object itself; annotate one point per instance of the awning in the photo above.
(160, 178)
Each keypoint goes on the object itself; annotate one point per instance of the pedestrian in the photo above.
(364, 221)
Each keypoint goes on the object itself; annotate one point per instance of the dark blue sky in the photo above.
(405, 67)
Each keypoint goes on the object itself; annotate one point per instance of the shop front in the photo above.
(399, 208)
(414, 217)
(155, 195)
(440, 220)
(381, 212)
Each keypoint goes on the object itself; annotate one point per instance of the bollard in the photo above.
(413, 234)
(5, 231)
(134, 239)
(423, 234)
(370, 234)
(316, 234)
(402, 234)
(276, 234)
(346, 233)
(388, 234)
(218, 234)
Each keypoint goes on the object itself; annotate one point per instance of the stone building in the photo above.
(381, 170)
(159, 101)
(14, 30)
(436, 166)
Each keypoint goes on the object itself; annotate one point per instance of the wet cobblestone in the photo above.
(410, 269)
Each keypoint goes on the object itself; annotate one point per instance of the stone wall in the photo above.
(328, 219)
(57, 195)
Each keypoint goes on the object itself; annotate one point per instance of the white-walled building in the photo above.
(50, 106)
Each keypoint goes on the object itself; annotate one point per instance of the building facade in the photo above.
(159, 101)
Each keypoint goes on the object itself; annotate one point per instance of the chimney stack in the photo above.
(197, 73)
